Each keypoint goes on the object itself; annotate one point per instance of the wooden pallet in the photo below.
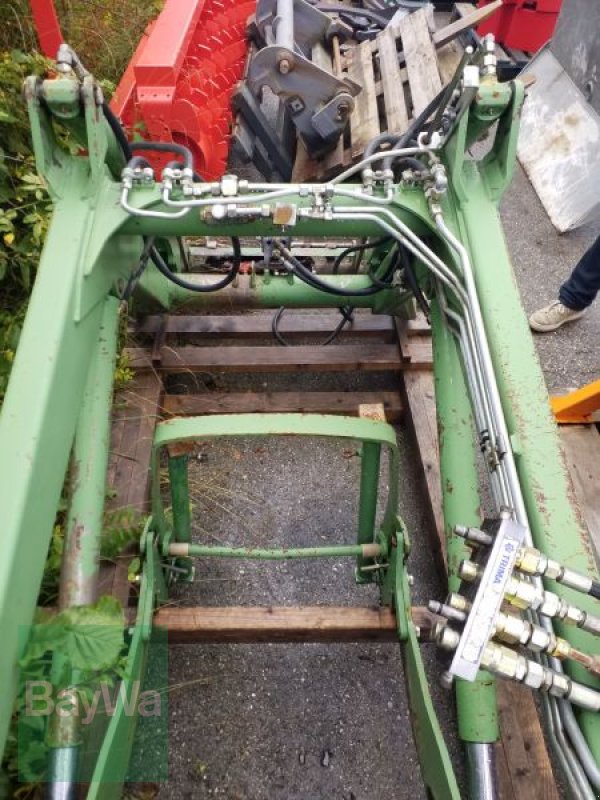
(524, 768)
(400, 72)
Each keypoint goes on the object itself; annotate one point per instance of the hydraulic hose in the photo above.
(174, 277)
(165, 147)
(298, 268)
(117, 129)
(358, 248)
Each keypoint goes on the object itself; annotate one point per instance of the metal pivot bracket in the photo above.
(434, 758)
(319, 102)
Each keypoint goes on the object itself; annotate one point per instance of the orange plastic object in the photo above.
(578, 406)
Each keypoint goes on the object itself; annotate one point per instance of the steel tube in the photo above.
(481, 760)
(284, 24)
(62, 765)
(274, 554)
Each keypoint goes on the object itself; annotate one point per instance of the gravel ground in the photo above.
(542, 260)
(326, 722)
(291, 721)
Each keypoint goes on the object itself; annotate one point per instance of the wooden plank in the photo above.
(448, 58)
(504, 783)
(529, 766)
(420, 398)
(364, 119)
(260, 325)
(581, 444)
(138, 406)
(391, 80)
(346, 403)
(337, 358)
(421, 61)
(241, 624)
(469, 18)
(135, 414)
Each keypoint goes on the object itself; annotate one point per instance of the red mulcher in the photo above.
(178, 85)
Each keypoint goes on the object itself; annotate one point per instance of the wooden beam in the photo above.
(529, 767)
(391, 80)
(364, 119)
(346, 403)
(280, 624)
(366, 357)
(581, 446)
(468, 20)
(259, 325)
(421, 62)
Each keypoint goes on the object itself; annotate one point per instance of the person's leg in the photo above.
(575, 295)
(581, 287)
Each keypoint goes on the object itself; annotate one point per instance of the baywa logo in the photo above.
(43, 700)
(79, 684)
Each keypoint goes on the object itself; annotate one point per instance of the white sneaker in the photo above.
(552, 317)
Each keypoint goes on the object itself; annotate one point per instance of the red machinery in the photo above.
(522, 24)
(178, 85)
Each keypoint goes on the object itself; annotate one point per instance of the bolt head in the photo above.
(285, 66)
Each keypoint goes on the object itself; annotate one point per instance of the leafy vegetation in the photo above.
(105, 33)
(88, 643)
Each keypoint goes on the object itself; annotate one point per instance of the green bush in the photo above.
(105, 33)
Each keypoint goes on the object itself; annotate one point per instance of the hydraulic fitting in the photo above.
(488, 69)
(509, 664)
(474, 535)
(532, 561)
(523, 594)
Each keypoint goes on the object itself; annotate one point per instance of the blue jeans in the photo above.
(581, 287)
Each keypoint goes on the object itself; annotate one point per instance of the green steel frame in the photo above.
(93, 247)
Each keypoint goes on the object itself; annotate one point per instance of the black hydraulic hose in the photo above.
(163, 268)
(358, 248)
(398, 142)
(417, 124)
(347, 317)
(375, 143)
(138, 161)
(413, 284)
(118, 131)
(297, 268)
(166, 147)
(155, 256)
(410, 161)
